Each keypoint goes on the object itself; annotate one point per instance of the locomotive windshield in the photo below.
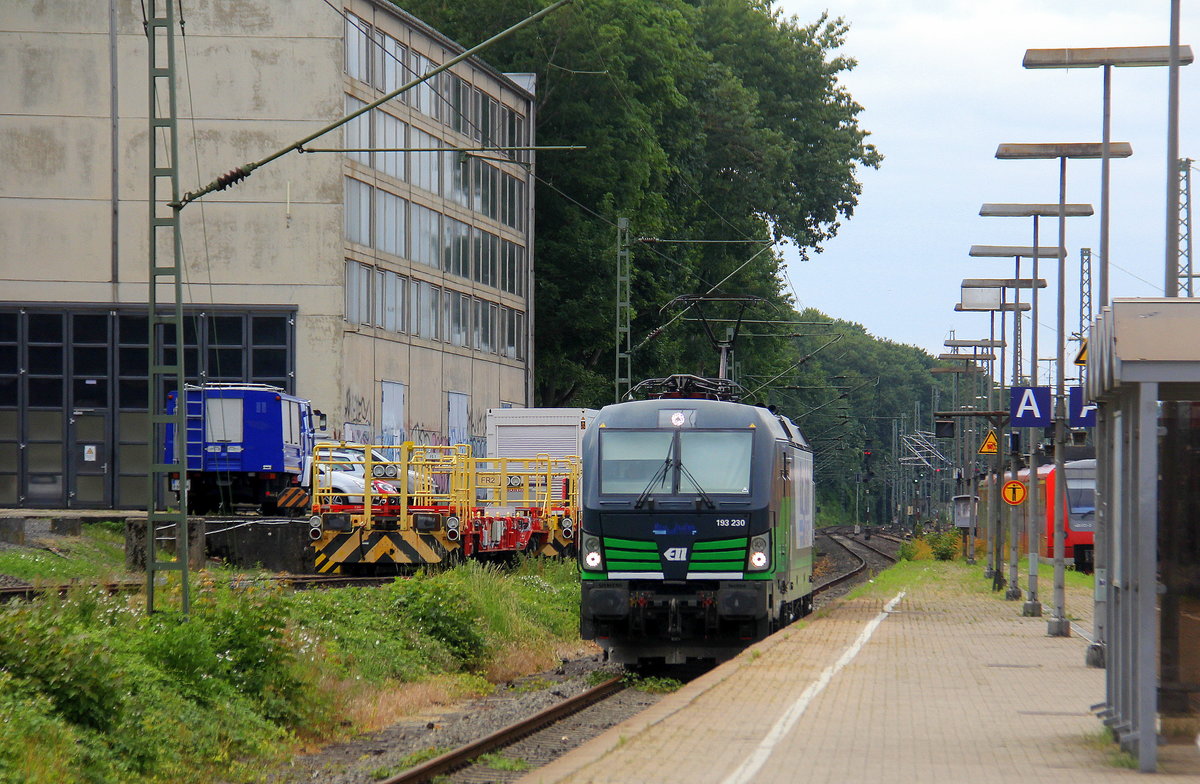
(675, 462)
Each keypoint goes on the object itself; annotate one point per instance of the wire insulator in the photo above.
(231, 178)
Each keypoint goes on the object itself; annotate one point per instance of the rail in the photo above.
(464, 755)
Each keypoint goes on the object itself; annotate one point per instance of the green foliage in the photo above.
(97, 691)
(497, 761)
(409, 761)
(652, 684)
(945, 545)
(435, 605)
(709, 120)
(908, 551)
(98, 553)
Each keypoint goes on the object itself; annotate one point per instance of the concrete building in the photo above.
(393, 289)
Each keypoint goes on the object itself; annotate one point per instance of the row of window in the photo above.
(382, 220)
(468, 181)
(97, 359)
(394, 303)
(377, 59)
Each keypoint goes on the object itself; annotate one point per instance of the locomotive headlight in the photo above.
(591, 552)
(452, 523)
(760, 558)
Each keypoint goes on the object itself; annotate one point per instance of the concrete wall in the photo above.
(253, 76)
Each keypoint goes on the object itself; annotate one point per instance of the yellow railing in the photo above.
(439, 476)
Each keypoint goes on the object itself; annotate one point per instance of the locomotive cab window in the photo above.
(631, 459)
(672, 463)
(715, 462)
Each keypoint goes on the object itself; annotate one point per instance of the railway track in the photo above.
(465, 755)
(548, 721)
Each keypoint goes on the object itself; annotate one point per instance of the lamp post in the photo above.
(990, 299)
(1106, 58)
(1014, 587)
(1059, 625)
(1032, 607)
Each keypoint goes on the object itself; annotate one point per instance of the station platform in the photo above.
(928, 676)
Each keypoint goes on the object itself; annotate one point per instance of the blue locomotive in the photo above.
(246, 445)
(697, 525)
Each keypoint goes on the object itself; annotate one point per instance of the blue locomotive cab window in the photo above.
(631, 459)
(718, 462)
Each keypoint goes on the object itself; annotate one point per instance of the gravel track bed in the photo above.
(359, 760)
(544, 746)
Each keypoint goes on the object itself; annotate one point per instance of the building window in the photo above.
(426, 237)
(358, 211)
(391, 212)
(390, 133)
(426, 99)
(425, 167)
(456, 247)
(358, 293)
(487, 251)
(358, 132)
(393, 64)
(358, 49)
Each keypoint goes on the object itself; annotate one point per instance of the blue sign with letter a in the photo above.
(1081, 410)
(1030, 407)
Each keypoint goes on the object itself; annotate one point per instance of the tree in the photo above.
(703, 119)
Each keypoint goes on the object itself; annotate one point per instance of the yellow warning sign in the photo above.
(1081, 357)
(990, 445)
(1014, 492)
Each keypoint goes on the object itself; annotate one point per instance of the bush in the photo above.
(908, 551)
(93, 689)
(945, 545)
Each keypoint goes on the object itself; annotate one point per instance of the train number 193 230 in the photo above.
(728, 522)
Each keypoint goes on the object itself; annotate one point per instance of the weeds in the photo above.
(652, 684)
(96, 690)
(497, 761)
(410, 761)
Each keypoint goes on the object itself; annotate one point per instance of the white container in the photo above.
(529, 432)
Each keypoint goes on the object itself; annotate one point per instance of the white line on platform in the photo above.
(747, 770)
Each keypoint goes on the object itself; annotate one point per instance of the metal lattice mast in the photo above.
(1186, 276)
(1085, 290)
(623, 375)
(166, 271)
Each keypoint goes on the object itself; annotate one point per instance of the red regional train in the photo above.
(1080, 530)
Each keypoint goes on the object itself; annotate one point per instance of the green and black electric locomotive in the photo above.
(697, 531)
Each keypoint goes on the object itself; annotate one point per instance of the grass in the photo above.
(97, 554)
(410, 761)
(1102, 740)
(497, 761)
(531, 684)
(94, 690)
(652, 684)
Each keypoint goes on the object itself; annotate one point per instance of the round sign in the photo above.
(1014, 492)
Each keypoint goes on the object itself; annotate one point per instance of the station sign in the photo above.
(1082, 412)
(1030, 407)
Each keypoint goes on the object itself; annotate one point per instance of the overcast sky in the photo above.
(941, 83)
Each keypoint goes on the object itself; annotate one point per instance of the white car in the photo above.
(342, 471)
